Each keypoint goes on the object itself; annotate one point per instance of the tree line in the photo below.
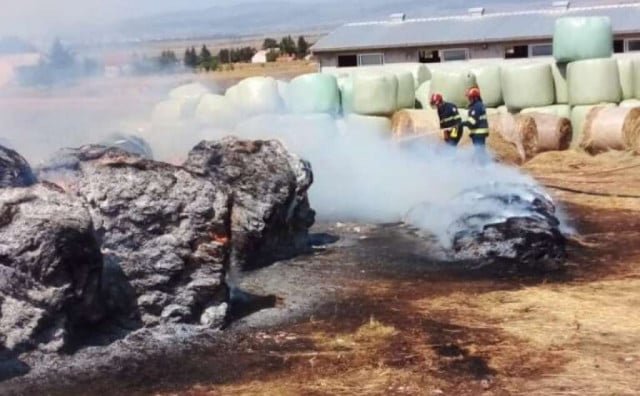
(205, 60)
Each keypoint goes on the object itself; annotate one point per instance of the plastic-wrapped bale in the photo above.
(189, 91)
(579, 38)
(503, 110)
(627, 78)
(578, 117)
(593, 81)
(492, 110)
(283, 87)
(636, 78)
(406, 90)
(375, 94)
(611, 128)
(415, 122)
(560, 110)
(488, 79)
(528, 85)
(171, 112)
(366, 126)
(630, 103)
(256, 95)
(313, 93)
(419, 71)
(216, 111)
(345, 84)
(559, 72)
(554, 133)
(423, 94)
(512, 139)
(452, 85)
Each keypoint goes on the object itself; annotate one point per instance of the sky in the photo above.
(57, 17)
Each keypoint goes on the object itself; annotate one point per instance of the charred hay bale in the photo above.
(508, 228)
(50, 268)
(164, 227)
(271, 214)
(14, 169)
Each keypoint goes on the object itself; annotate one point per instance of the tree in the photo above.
(272, 56)
(288, 46)
(303, 47)
(205, 55)
(59, 56)
(191, 58)
(167, 60)
(269, 43)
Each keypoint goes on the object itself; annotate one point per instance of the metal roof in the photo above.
(464, 29)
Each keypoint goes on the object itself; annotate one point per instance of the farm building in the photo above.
(474, 35)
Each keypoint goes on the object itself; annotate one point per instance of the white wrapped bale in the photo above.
(630, 103)
(313, 93)
(627, 78)
(216, 111)
(171, 112)
(423, 94)
(579, 38)
(578, 117)
(636, 78)
(256, 95)
(560, 110)
(189, 91)
(528, 85)
(559, 72)
(593, 81)
(283, 86)
(419, 71)
(346, 94)
(488, 80)
(406, 91)
(375, 93)
(452, 85)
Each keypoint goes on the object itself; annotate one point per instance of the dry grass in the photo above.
(279, 70)
(594, 326)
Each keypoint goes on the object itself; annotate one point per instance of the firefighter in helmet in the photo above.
(477, 123)
(450, 120)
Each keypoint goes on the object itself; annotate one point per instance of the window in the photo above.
(347, 60)
(370, 59)
(429, 56)
(633, 45)
(618, 46)
(517, 51)
(541, 49)
(454, 54)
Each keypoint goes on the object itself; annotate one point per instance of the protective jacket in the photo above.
(450, 120)
(477, 121)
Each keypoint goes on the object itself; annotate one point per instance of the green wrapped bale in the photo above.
(593, 81)
(488, 80)
(527, 85)
(580, 38)
(636, 78)
(560, 110)
(423, 94)
(375, 94)
(406, 91)
(627, 78)
(578, 117)
(559, 72)
(345, 84)
(256, 95)
(313, 93)
(189, 91)
(453, 84)
(216, 111)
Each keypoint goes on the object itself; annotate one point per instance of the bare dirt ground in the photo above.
(369, 314)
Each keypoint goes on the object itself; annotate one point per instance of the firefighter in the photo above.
(450, 120)
(477, 124)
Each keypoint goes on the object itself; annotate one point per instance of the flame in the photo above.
(221, 239)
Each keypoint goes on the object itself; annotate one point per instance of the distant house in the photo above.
(260, 57)
(474, 35)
